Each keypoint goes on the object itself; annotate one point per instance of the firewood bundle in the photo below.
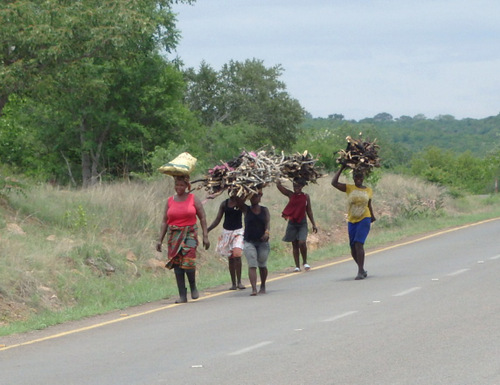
(300, 166)
(242, 176)
(360, 155)
(251, 171)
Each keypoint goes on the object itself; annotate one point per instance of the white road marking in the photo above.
(340, 316)
(407, 291)
(250, 348)
(457, 272)
(496, 257)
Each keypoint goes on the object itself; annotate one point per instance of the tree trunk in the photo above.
(86, 158)
(3, 101)
(95, 164)
(91, 158)
(86, 165)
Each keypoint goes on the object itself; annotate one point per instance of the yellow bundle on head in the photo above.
(181, 165)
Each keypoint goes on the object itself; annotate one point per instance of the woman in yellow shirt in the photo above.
(359, 215)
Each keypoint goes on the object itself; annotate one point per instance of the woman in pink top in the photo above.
(179, 222)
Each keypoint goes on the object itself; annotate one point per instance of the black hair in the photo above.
(300, 181)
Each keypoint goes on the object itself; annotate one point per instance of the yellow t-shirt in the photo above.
(357, 203)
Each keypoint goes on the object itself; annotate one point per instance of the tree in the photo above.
(245, 92)
(37, 38)
(493, 163)
(123, 112)
(448, 118)
(463, 171)
(72, 58)
(203, 94)
(383, 117)
(18, 146)
(336, 117)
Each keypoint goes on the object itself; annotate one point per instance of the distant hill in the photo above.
(415, 134)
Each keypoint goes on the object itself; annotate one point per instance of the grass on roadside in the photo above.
(70, 254)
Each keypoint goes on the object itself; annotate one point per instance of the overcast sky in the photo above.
(359, 57)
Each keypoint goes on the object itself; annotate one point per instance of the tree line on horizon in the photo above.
(89, 94)
(461, 154)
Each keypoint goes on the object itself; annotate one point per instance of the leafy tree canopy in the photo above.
(40, 37)
(97, 87)
(245, 92)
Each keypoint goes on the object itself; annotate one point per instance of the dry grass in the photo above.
(57, 246)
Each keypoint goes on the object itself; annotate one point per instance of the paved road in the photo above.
(428, 313)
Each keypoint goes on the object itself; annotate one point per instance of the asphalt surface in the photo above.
(428, 313)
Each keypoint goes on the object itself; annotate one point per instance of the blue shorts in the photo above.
(359, 231)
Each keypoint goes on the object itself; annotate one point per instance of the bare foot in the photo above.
(254, 293)
(262, 290)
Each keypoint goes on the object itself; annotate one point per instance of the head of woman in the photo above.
(298, 184)
(181, 184)
(358, 177)
(255, 198)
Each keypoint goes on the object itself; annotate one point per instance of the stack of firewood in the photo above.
(242, 176)
(300, 166)
(360, 155)
(251, 171)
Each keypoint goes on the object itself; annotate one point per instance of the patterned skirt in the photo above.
(182, 243)
(228, 240)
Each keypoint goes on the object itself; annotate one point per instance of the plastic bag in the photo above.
(183, 164)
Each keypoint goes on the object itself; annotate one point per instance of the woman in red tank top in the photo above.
(299, 205)
(179, 223)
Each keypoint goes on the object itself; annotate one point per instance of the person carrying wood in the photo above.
(256, 240)
(299, 205)
(230, 242)
(359, 215)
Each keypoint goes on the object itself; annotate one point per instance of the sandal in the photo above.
(307, 267)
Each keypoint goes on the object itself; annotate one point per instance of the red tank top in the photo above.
(295, 210)
(181, 213)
